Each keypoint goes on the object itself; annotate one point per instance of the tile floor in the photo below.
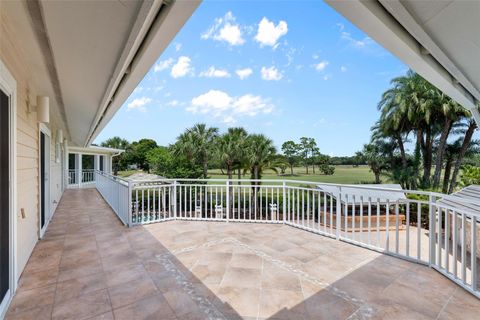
(89, 266)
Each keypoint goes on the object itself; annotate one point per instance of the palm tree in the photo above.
(449, 112)
(201, 138)
(413, 104)
(185, 146)
(230, 148)
(260, 154)
(375, 158)
(240, 136)
(463, 150)
(115, 142)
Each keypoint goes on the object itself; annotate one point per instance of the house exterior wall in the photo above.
(27, 143)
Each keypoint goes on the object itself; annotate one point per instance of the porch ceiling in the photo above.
(88, 56)
(87, 39)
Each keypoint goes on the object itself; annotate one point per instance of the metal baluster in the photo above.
(369, 221)
(143, 206)
(419, 227)
(346, 216)
(353, 216)
(455, 242)
(397, 226)
(387, 226)
(361, 219)
(473, 254)
(439, 242)
(378, 222)
(324, 211)
(407, 244)
(446, 238)
(464, 248)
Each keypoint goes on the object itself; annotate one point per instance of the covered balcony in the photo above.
(206, 259)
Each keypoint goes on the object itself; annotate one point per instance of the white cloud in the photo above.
(139, 104)
(220, 105)
(268, 33)
(225, 29)
(343, 69)
(360, 44)
(162, 65)
(173, 103)
(244, 73)
(213, 72)
(182, 67)
(178, 46)
(321, 65)
(326, 77)
(271, 73)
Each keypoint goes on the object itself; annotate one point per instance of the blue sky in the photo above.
(286, 69)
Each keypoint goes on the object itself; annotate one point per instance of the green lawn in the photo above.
(343, 174)
(127, 173)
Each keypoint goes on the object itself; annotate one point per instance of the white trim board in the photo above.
(9, 86)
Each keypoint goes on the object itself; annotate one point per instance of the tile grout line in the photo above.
(365, 310)
(446, 303)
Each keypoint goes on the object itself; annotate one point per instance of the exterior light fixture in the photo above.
(42, 109)
(59, 136)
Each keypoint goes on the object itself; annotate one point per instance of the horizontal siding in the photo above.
(27, 160)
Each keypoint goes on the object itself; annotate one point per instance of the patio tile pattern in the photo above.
(90, 266)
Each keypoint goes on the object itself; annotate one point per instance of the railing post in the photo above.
(431, 228)
(339, 213)
(175, 200)
(284, 195)
(227, 192)
(129, 199)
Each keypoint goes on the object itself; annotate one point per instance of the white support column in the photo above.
(78, 168)
(96, 162)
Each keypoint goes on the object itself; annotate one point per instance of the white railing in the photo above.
(87, 178)
(117, 194)
(411, 225)
(72, 177)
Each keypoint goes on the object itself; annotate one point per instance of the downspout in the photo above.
(111, 159)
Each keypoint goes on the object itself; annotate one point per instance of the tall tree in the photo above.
(184, 146)
(307, 148)
(229, 148)
(260, 153)
(375, 158)
(463, 150)
(449, 113)
(116, 142)
(202, 138)
(290, 149)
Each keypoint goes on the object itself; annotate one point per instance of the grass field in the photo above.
(343, 174)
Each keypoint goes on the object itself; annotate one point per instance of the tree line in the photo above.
(414, 112)
(236, 151)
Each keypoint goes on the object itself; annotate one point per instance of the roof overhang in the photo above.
(95, 150)
(438, 39)
(88, 56)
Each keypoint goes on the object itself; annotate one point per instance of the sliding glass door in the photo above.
(5, 205)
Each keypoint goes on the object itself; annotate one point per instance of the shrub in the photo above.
(327, 170)
(470, 175)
